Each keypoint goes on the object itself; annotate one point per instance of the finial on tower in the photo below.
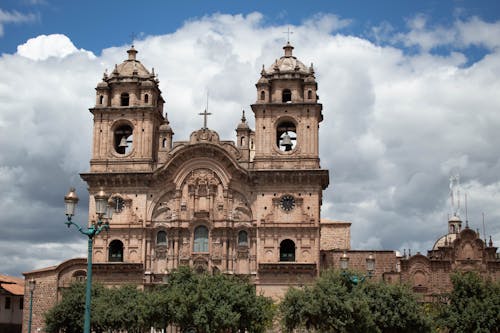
(243, 119)
(132, 53)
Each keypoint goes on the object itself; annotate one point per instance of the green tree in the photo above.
(216, 303)
(122, 308)
(67, 316)
(205, 303)
(334, 304)
(473, 305)
(395, 308)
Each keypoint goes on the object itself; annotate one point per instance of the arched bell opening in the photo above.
(123, 139)
(286, 136)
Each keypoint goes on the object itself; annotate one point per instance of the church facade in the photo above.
(250, 207)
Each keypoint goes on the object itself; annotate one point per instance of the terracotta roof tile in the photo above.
(11, 284)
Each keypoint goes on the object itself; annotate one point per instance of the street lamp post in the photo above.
(344, 262)
(31, 284)
(354, 278)
(104, 210)
(370, 265)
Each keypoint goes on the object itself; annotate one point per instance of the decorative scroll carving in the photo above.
(165, 208)
(241, 208)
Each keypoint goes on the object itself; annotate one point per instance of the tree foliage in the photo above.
(473, 305)
(200, 302)
(68, 315)
(334, 304)
(216, 303)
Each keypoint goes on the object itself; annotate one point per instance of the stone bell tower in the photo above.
(127, 118)
(287, 115)
(288, 177)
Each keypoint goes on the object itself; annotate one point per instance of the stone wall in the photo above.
(386, 262)
(335, 235)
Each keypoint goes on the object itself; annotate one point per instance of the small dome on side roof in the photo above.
(263, 80)
(165, 127)
(102, 84)
(243, 124)
(444, 240)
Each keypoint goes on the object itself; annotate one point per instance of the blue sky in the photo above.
(95, 25)
(409, 92)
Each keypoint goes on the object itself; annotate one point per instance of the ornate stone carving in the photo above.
(164, 209)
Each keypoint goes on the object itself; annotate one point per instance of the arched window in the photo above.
(262, 95)
(146, 98)
(101, 99)
(242, 238)
(124, 99)
(309, 94)
(164, 143)
(200, 239)
(286, 96)
(161, 238)
(79, 276)
(115, 251)
(287, 250)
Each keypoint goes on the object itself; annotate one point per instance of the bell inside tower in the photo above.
(286, 136)
(123, 139)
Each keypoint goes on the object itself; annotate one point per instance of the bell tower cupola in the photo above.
(127, 118)
(287, 115)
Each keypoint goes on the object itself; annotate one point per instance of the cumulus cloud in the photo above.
(14, 17)
(463, 33)
(395, 124)
(46, 46)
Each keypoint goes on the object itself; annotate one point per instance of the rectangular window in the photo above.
(21, 303)
(7, 302)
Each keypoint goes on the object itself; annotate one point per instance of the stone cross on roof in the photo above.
(288, 32)
(205, 114)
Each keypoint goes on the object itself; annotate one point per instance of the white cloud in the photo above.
(13, 17)
(394, 124)
(46, 46)
(462, 33)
